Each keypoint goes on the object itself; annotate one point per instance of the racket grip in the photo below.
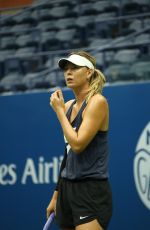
(49, 221)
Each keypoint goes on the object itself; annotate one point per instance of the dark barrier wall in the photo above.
(31, 149)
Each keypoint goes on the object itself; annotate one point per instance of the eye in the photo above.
(65, 68)
(72, 67)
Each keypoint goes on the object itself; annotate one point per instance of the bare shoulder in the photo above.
(98, 101)
(97, 112)
(68, 104)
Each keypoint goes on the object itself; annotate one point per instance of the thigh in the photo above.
(91, 201)
(92, 225)
(63, 211)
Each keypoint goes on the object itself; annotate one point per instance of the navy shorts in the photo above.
(82, 201)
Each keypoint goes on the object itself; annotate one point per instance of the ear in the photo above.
(89, 73)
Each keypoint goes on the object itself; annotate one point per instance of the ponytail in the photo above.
(96, 84)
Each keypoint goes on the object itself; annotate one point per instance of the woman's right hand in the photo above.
(52, 205)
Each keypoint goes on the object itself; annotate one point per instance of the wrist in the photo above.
(55, 194)
(60, 113)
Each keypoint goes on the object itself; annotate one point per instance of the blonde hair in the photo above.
(97, 79)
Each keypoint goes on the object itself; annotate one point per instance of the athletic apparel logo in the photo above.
(83, 217)
(142, 166)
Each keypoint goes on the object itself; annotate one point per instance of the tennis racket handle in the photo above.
(49, 221)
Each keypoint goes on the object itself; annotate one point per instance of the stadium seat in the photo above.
(51, 79)
(47, 36)
(84, 9)
(49, 63)
(99, 43)
(59, 12)
(100, 6)
(52, 62)
(5, 29)
(5, 54)
(41, 79)
(102, 17)
(131, 7)
(12, 82)
(141, 70)
(83, 21)
(144, 5)
(122, 41)
(104, 24)
(136, 25)
(8, 42)
(31, 80)
(146, 22)
(126, 55)
(108, 57)
(65, 35)
(146, 2)
(65, 23)
(27, 40)
(46, 25)
(142, 39)
(25, 51)
(85, 28)
(65, 38)
(42, 14)
(19, 28)
(12, 65)
(118, 72)
(99, 59)
(24, 16)
(48, 41)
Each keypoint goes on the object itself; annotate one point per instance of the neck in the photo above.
(80, 95)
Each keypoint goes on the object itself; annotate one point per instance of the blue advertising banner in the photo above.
(31, 151)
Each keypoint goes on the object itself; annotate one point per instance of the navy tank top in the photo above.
(93, 161)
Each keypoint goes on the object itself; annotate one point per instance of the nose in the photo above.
(68, 71)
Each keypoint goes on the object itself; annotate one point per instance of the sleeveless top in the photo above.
(92, 162)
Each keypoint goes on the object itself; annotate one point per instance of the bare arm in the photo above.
(52, 205)
(94, 116)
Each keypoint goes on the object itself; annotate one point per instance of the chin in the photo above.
(71, 86)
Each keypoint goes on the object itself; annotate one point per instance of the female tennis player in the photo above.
(82, 199)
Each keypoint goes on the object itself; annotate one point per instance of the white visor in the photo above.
(77, 60)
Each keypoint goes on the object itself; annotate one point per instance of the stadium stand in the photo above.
(33, 38)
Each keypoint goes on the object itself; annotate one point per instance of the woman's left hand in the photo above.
(57, 101)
